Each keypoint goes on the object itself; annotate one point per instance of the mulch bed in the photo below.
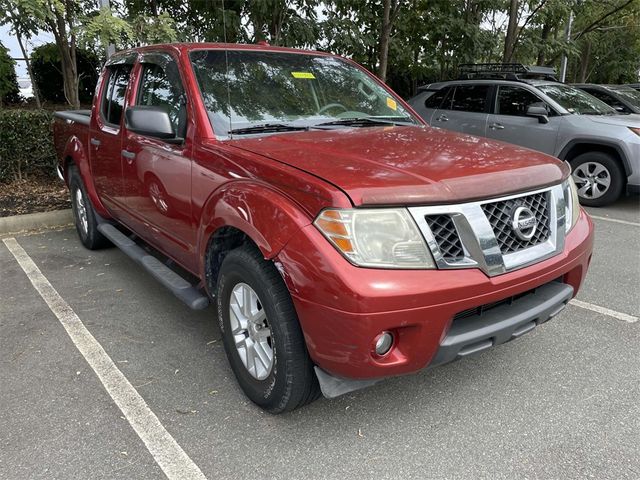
(33, 195)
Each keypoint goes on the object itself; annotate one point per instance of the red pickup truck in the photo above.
(342, 240)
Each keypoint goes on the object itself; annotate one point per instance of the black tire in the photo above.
(583, 164)
(291, 382)
(87, 229)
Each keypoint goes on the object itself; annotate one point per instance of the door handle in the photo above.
(442, 118)
(496, 126)
(95, 142)
(130, 156)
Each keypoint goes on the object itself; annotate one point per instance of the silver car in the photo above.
(602, 146)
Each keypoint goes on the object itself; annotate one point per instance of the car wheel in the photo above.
(83, 214)
(261, 333)
(598, 177)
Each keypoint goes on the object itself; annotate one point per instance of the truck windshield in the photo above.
(576, 101)
(266, 92)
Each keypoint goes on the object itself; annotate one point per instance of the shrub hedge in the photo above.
(26, 144)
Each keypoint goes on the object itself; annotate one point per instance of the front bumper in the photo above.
(342, 308)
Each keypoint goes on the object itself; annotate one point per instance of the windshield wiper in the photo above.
(360, 122)
(267, 128)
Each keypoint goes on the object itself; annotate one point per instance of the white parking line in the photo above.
(604, 311)
(615, 220)
(171, 458)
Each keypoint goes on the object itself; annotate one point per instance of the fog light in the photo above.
(384, 341)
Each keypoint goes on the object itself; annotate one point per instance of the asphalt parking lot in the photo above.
(562, 402)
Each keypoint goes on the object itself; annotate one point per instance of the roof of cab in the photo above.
(187, 47)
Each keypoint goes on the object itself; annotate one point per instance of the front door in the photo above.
(156, 172)
(510, 123)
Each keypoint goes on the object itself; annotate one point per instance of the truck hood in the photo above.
(410, 165)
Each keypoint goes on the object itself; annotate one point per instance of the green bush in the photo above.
(26, 144)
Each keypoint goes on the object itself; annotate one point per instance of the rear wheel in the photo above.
(599, 178)
(261, 333)
(83, 214)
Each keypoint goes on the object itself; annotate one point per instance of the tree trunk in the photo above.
(27, 61)
(585, 60)
(544, 36)
(383, 44)
(510, 39)
(67, 49)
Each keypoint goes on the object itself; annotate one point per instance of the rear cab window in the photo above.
(470, 98)
(113, 98)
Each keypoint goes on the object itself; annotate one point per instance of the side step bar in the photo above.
(167, 277)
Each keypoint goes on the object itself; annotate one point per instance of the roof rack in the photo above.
(506, 71)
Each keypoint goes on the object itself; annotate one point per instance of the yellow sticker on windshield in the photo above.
(391, 103)
(308, 75)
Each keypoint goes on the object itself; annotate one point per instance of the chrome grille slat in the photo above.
(447, 237)
(499, 216)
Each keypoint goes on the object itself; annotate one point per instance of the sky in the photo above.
(10, 42)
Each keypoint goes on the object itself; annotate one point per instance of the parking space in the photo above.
(559, 403)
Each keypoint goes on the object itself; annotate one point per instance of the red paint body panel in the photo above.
(272, 187)
(342, 308)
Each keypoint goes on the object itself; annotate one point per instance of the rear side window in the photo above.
(435, 100)
(470, 98)
(515, 100)
(114, 93)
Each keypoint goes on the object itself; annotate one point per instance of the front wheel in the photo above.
(261, 333)
(599, 178)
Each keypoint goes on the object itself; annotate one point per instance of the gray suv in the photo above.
(602, 146)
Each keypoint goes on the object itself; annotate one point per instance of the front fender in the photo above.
(75, 152)
(263, 213)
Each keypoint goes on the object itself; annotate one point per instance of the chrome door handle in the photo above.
(130, 156)
(95, 142)
(442, 118)
(496, 126)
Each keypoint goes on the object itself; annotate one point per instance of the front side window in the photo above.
(114, 93)
(576, 101)
(246, 89)
(470, 98)
(161, 86)
(515, 101)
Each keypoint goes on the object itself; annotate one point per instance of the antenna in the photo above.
(226, 60)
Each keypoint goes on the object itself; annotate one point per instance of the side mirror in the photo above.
(150, 121)
(619, 108)
(539, 112)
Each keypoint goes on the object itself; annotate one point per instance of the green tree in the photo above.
(9, 91)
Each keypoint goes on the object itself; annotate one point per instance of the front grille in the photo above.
(446, 236)
(478, 311)
(499, 215)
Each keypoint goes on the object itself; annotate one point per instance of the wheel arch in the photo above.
(74, 153)
(240, 213)
(577, 147)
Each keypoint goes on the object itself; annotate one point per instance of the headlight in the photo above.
(386, 237)
(572, 204)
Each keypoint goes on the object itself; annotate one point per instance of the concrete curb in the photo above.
(35, 221)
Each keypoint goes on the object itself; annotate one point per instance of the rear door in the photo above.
(105, 137)
(510, 123)
(157, 173)
(465, 110)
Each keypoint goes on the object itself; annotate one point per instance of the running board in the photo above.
(167, 277)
